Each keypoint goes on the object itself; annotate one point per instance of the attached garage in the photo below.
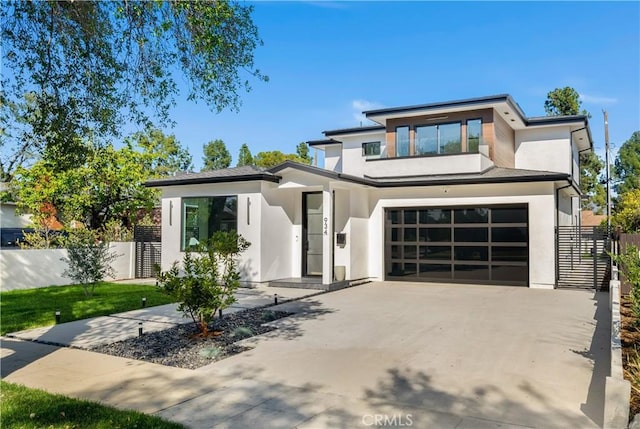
(458, 244)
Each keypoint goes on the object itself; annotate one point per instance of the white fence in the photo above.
(27, 269)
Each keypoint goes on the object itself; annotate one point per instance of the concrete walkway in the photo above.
(443, 356)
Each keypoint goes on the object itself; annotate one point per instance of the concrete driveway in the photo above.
(421, 355)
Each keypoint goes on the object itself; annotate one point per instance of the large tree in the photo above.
(244, 156)
(216, 156)
(164, 155)
(627, 165)
(74, 72)
(566, 101)
(108, 186)
(302, 150)
(275, 157)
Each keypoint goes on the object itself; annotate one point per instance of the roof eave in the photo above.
(160, 183)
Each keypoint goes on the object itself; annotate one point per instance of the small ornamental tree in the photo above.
(89, 260)
(208, 279)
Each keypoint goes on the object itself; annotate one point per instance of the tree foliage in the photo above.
(626, 213)
(209, 280)
(164, 156)
(302, 150)
(89, 260)
(275, 157)
(108, 186)
(216, 156)
(244, 156)
(627, 165)
(77, 70)
(566, 101)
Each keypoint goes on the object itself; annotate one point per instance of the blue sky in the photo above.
(328, 61)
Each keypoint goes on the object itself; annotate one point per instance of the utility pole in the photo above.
(608, 173)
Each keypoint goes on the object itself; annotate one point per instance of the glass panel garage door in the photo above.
(462, 244)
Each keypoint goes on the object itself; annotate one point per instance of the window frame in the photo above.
(437, 126)
(467, 134)
(408, 127)
(365, 144)
(187, 202)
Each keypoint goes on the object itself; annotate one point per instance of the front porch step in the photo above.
(308, 283)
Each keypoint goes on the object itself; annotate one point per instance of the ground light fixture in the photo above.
(275, 298)
(139, 329)
(57, 316)
(144, 302)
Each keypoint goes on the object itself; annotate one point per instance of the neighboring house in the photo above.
(589, 218)
(465, 191)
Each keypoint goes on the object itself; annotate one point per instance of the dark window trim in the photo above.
(428, 155)
(371, 143)
(436, 124)
(408, 127)
(182, 213)
(466, 124)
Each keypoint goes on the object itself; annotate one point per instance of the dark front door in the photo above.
(312, 234)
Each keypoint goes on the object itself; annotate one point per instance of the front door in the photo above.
(311, 234)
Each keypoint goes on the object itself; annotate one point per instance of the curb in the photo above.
(617, 390)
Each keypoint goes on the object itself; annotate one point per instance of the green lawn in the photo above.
(23, 408)
(31, 308)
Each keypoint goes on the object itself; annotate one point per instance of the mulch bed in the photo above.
(630, 337)
(182, 347)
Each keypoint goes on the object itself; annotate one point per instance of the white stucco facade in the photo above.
(537, 172)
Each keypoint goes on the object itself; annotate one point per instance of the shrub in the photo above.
(629, 264)
(242, 332)
(208, 280)
(89, 260)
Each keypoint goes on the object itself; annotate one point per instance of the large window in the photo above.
(438, 139)
(474, 134)
(402, 141)
(203, 216)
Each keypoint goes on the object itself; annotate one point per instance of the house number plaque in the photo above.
(326, 226)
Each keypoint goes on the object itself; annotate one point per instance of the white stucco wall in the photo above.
(278, 257)
(353, 162)
(566, 209)
(9, 218)
(333, 158)
(546, 149)
(250, 260)
(539, 197)
(459, 163)
(32, 268)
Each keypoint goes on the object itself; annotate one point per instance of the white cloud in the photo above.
(594, 99)
(359, 106)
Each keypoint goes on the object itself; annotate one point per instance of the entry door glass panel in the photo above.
(313, 240)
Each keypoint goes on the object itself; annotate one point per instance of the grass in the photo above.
(24, 408)
(32, 308)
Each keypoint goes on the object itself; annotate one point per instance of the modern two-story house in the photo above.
(465, 191)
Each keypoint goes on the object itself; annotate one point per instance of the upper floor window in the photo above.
(203, 216)
(474, 134)
(438, 139)
(402, 141)
(371, 149)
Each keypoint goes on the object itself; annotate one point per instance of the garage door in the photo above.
(462, 245)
